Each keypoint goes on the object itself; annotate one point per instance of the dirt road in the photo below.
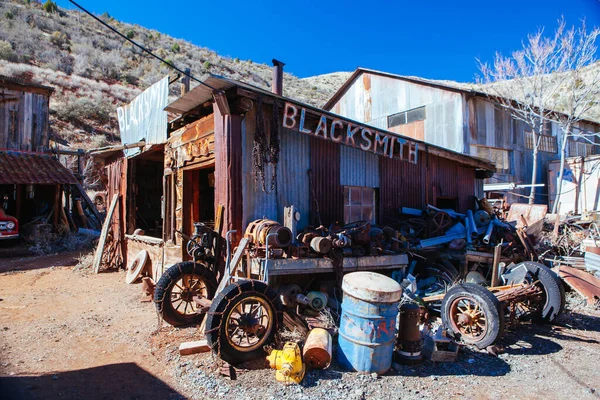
(67, 333)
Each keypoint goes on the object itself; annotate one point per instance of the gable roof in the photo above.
(451, 86)
(202, 94)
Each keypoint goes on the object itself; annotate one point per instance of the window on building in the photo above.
(580, 149)
(406, 117)
(548, 143)
(359, 204)
(501, 157)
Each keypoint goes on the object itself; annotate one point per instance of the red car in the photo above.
(9, 226)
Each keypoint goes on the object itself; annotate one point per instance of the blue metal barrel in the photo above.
(368, 322)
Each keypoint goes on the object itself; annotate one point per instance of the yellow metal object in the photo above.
(288, 363)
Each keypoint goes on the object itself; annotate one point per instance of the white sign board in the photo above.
(144, 118)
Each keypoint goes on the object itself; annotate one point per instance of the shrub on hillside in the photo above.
(50, 7)
(78, 109)
(6, 51)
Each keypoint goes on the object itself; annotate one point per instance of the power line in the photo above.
(142, 47)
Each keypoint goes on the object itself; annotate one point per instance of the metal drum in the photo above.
(368, 322)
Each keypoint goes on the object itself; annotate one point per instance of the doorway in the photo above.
(198, 198)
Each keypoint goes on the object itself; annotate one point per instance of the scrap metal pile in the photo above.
(464, 278)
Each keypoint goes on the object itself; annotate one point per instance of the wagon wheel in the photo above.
(111, 253)
(176, 289)
(473, 314)
(243, 319)
(418, 226)
(438, 224)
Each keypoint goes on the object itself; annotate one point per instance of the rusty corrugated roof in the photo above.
(25, 168)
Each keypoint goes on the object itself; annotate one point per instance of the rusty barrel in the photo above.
(317, 349)
(368, 323)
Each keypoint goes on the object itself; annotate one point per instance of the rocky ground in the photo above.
(68, 333)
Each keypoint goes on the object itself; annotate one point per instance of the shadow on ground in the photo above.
(114, 381)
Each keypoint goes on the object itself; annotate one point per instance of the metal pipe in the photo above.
(266, 269)
(471, 220)
(490, 229)
(228, 240)
(277, 86)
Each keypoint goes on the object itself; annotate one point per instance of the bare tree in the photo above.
(519, 84)
(580, 91)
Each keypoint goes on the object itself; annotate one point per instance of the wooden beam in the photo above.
(198, 346)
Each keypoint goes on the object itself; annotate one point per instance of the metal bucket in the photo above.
(368, 323)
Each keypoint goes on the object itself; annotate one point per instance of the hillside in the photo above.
(94, 71)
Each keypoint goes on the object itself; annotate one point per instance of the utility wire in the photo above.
(143, 48)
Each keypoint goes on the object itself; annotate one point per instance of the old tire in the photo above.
(473, 314)
(243, 318)
(553, 298)
(176, 288)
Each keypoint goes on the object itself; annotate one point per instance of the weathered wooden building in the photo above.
(31, 182)
(455, 118)
(24, 114)
(256, 152)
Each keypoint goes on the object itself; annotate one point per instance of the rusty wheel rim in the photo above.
(249, 324)
(468, 318)
(439, 223)
(183, 292)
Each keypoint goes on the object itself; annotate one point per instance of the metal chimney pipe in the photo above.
(277, 86)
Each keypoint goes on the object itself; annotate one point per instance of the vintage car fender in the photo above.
(9, 226)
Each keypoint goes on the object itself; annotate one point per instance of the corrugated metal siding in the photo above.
(405, 185)
(372, 98)
(325, 165)
(256, 203)
(358, 168)
(292, 176)
(402, 185)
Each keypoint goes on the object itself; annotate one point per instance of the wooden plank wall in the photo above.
(24, 120)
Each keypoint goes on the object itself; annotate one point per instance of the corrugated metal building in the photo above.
(455, 118)
(331, 168)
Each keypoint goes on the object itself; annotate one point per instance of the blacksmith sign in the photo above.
(349, 133)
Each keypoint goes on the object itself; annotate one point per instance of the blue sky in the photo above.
(432, 39)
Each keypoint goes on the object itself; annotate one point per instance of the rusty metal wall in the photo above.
(402, 185)
(416, 185)
(256, 203)
(325, 166)
(292, 177)
(372, 98)
(358, 168)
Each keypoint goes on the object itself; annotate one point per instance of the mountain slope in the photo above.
(94, 70)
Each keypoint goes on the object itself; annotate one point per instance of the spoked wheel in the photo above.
(438, 225)
(243, 318)
(175, 291)
(473, 314)
(247, 323)
(549, 303)
(445, 276)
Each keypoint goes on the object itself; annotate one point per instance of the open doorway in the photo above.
(198, 198)
(144, 197)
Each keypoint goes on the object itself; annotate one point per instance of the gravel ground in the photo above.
(540, 362)
(67, 333)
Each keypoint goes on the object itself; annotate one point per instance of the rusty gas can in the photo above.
(368, 322)
(318, 349)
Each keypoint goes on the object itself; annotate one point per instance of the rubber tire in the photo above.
(162, 293)
(488, 302)
(555, 292)
(222, 305)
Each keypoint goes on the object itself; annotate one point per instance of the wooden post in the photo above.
(185, 82)
(495, 263)
(57, 207)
